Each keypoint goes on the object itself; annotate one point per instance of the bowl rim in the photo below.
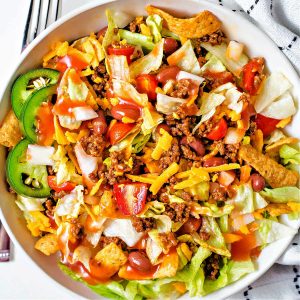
(98, 3)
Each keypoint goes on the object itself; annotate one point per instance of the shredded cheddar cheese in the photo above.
(163, 144)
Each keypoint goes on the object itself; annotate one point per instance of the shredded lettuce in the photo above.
(168, 105)
(155, 24)
(137, 39)
(270, 231)
(289, 154)
(282, 194)
(77, 91)
(149, 62)
(118, 67)
(185, 59)
(274, 137)
(139, 142)
(223, 223)
(151, 119)
(167, 33)
(30, 204)
(200, 190)
(213, 65)
(111, 35)
(273, 87)
(247, 201)
(220, 52)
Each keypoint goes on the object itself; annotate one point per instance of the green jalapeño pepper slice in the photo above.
(30, 110)
(26, 84)
(26, 179)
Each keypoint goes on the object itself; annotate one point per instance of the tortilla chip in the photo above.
(275, 209)
(275, 174)
(10, 132)
(111, 256)
(47, 244)
(257, 140)
(202, 24)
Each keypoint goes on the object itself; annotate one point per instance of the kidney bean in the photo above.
(258, 182)
(170, 45)
(214, 161)
(167, 73)
(157, 130)
(196, 145)
(99, 123)
(191, 225)
(139, 262)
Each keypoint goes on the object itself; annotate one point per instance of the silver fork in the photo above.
(41, 14)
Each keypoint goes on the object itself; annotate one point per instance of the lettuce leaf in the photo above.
(118, 67)
(273, 87)
(200, 190)
(155, 24)
(149, 62)
(270, 231)
(213, 65)
(247, 201)
(167, 104)
(289, 155)
(139, 142)
(185, 59)
(282, 194)
(220, 52)
(110, 35)
(30, 204)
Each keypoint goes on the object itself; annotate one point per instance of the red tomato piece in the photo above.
(130, 197)
(219, 131)
(250, 70)
(71, 61)
(218, 78)
(126, 50)
(265, 124)
(120, 111)
(147, 84)
(66, 186)
(118, 131)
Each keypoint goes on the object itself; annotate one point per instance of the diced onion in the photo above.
(186, 75)
(84, 113)
(234, 135)
(234, 50)
(40, 155)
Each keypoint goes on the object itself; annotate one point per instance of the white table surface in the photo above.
(20, 278)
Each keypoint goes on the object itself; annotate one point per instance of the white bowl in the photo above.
(92, 18)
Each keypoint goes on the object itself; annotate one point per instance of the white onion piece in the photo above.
(226, 178)
(82, 254)
(234, 135)
(40, 155)
(234, 50)
(87, 163)
(84, 113)
(186, 75)
(123, 229)
(242, 220)
(121, 18)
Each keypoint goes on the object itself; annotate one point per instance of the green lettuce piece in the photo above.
(270, 231)
(223, 223)
(289, 155)
(193, 274)
(201, 190)
(77, 91)
(167, 33)
(218, 212)
(247, 201)
(110, 35)
(230, 272)
(137, 39)
(154, 22)
(220, 52)
(282, 194)
(213, 65)
(139, 142)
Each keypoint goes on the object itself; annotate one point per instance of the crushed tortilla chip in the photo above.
(10, 132)
(294, 206)
(202, 24)
(38, 223)
(275, 209)
(47, 244)
(284, 122)
(257, 140)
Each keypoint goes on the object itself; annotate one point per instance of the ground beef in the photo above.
(143, 224)
(252, 128)
(182, 89)
(212, 266)
(186, 196)
(170, 156)
(205, 128)
(93, 144)
(215, 79)
(105, 241)
(202, 61)
(50, 170)
(184, 111)
(58, 195)
(199, 51)
(215, 38)
(178, 212)
(231, 152)
(76, 229)
(182, 127)
(135, 25)
(204, 235)
(216, 193)
(189, 153)
(50, 207)
(100, 74)
(168, 240)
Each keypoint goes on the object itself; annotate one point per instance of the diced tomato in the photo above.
(218, 78)
(130, 197)
(219, 131)
(70, 61)
(147, 84)
(120, 111)
(250, 70)
(118, 131)
(66, 186)
(265, 124)
(120, 49)
(241, 250)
